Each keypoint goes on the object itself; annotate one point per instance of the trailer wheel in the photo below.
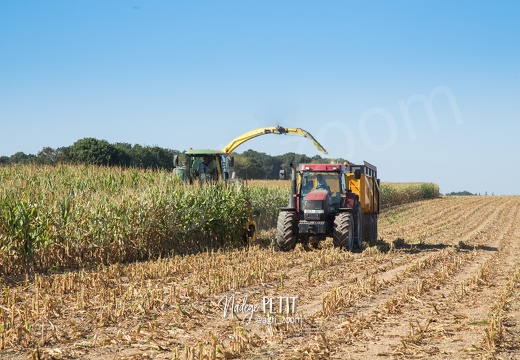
(286, 230)
(370, 229)
(358, 227)
(374, 228)
(367, 228)
(343, 232)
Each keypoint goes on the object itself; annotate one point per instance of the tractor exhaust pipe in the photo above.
(292, 201)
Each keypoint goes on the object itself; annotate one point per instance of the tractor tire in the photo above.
(343, 232)
(358, 227)
(286, 230)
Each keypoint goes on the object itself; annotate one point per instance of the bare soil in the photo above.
(442, 282)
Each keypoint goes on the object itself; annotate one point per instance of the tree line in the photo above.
(248, 165)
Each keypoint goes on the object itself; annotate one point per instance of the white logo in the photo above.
(272, 310)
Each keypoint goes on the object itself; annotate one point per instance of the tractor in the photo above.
(215, 169)
(338, 200)
(206, 166)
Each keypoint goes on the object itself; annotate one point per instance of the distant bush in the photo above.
(401, 193)
(460, 193)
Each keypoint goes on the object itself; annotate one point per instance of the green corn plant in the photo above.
(74, 216)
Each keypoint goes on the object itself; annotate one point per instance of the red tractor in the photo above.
(338, 200)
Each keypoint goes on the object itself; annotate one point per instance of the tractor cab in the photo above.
(323, 178)
(203, 166)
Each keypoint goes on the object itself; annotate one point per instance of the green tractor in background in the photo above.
(203, 166)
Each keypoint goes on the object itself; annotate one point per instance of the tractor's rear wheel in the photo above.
(286, 230)
(343, 232)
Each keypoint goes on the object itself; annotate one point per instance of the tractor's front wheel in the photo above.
(343, 232)
(286, 230)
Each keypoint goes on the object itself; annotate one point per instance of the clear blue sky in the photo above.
(425, 90)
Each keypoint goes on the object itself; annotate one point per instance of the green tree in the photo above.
(152, 157)
(122, 154)
(22, 158)
(248, 168)
(295, 159)
(268, 165)
(93, 151)
(48, 156)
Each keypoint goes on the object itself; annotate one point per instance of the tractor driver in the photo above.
(205, 167)
(322, 184)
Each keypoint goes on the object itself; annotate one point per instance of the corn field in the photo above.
(69, 217)
(66, 217)
(402, 193)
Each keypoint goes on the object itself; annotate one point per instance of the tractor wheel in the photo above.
(358, 227)
(343, 233)
(286, 230)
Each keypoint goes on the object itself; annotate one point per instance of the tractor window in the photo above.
(204, 168)
(307, 186)
(325, 181)
(224, 163)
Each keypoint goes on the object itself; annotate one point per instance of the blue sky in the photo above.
(425, 90)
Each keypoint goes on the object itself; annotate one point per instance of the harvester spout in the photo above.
(233, 144)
